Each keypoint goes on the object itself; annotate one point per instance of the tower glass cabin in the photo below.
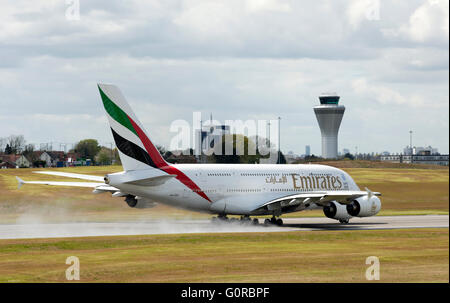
(329, 116)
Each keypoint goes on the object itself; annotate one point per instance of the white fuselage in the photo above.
(241, 188)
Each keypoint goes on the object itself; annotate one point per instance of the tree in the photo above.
(29, 153)
(116, 157)
(87, 148)
(103, 157)
(281, 159)
(243, 150)
(16, 143)
(8, 149)
(2, 144)
(164, 153)
(349, 156)
(161, 149)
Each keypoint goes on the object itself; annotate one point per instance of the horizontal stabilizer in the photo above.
(71, 175)
(98, 187)
(58, 183)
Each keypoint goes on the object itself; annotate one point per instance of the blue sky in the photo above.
(253, 59)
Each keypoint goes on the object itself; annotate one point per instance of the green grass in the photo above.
(420, 255)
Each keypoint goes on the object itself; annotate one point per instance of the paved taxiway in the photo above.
(17, 231)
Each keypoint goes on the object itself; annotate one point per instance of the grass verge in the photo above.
(420, 255)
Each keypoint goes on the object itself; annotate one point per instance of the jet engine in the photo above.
(335, 210)
(139, 202)
(365, 206)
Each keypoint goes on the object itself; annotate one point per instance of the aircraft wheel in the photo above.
(267, 222)
(255, 222)
(221, 219)
(218, 220)
(279, 222)
(245, 220)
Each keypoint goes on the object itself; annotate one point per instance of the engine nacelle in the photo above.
(335, 210)
(139, 202)
(364, 207)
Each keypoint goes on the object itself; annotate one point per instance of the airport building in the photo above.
(421, 158)
(307, 150)
(417, 155)
(416, 150)
(329, 116)
(207, 138)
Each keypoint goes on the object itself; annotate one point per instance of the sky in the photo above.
(236, 59)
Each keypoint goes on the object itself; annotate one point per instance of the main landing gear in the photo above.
(243, 220)
(219, 218)
(273, 221)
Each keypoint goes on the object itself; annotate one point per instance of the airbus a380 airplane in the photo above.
(222, 189)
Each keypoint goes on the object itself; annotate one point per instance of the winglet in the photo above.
(371, 193)
(21, 182)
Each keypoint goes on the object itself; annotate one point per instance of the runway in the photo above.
(84, 229)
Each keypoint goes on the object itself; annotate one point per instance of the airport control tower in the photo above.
(329, 115)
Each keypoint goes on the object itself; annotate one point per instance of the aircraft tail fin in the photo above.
(136, 151)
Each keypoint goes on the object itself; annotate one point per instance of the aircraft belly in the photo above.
(238, 204)
(171, 194)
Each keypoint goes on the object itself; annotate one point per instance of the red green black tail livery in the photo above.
(136, 151)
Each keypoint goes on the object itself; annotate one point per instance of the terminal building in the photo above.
(207, 138)
(329, 116)
(409, 150)
(418, 155)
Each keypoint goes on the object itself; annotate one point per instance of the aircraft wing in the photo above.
(320, 198)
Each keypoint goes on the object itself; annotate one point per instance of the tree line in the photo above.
(101, 155)
(86, 149)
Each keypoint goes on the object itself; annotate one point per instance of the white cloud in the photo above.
(268, 5)
(363, 10)
(236, 59)
(208, 18)
(428, 23)
(387, 95)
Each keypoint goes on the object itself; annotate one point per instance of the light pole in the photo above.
(410, 139)
(257, 138)
(201, 142)
(279, 141)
